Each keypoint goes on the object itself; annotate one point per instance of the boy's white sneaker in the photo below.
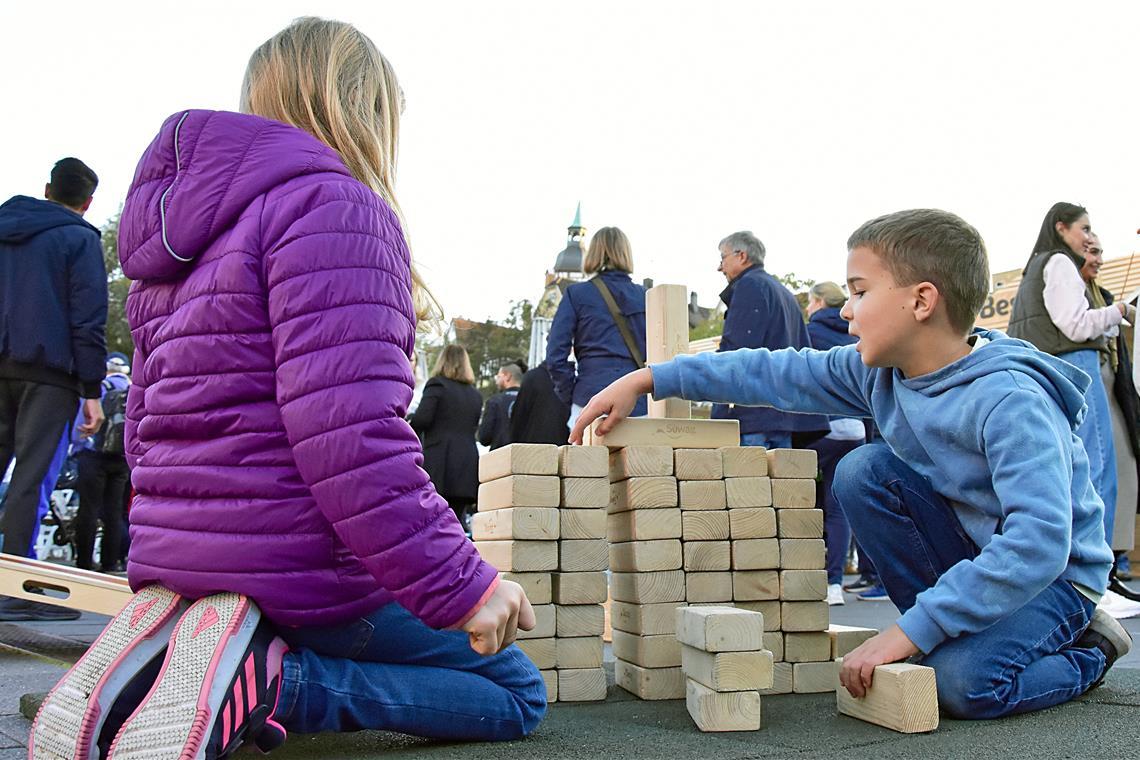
(835, 594)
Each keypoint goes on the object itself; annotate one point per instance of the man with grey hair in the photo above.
(495, 427)
(762, 313)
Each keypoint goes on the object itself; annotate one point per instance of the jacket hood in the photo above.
(198, 175)
(829, 318)
(1063, 382)
(22, 218)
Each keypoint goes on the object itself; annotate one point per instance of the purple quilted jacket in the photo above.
(273, 323)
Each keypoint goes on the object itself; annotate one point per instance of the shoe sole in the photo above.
(873, 598)
(71, 716)
(175, 720)
(1107, 626)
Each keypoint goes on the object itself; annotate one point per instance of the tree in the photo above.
(490, 344)
(118, 332)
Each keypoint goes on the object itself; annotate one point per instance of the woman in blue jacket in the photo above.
(585, 324)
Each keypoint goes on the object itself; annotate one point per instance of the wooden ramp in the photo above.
(84, 590)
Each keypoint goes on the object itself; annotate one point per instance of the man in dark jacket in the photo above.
(53, 313)
(495, 427)
(762, 313)
(539, 416)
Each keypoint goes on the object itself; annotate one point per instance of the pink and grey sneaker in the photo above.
(77, 710)
(218, 687)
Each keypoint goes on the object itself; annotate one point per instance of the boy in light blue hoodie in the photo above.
(978, 509)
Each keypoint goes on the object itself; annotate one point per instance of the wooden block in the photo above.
(770, 610)
(581, 524)
(576, 620)
(705, 525)
(641, 462)
(698, 464)
(583, 556)
(519, 459)
(647, 431)
(666, 336)
(800, 523)
(756, 554)
(728, 671)
(581, 685)
(814, 677)
(707, 556)
(519, 491)
(792, 463)
(648, 588)
(755, 585)
(743, 493)
(774, 643)
(544, 625)
(708, 587)
(541, 652)
(793, 494)
(752, 522)
(845, 638)
(645, 619)
(645, 556)
(650, 683)
(781, 680)
(803, 616)
(579, 652)
(814, 646)
(644, 525)
(583, 461)
(578, 588)
(803, 554)
(702, 494)
(520, 556)
(902, 697)
(643, 493)
(523, 523)
(744, 461)
(803, 585)
(536, 586)
(720, 629)
(550, 679)
(585, 493)
(662, 651)
(717, 711)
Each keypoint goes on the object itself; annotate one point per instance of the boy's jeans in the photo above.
(1022, 662)
(389, 671)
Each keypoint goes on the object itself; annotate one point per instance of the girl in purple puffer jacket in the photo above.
(294, 566)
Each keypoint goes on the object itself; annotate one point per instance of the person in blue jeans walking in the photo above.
(977, 509)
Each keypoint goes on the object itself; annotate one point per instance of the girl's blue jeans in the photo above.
(1095, 433)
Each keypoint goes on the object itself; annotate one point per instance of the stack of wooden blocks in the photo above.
(725, 666)
(542, 524)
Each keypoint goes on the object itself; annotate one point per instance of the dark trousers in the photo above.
(836, 531)
(102, 480)
(33, 417)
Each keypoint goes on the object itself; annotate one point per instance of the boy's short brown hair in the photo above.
(929, 245)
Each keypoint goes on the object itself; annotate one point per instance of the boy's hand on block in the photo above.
(892, 645)
(493, 628)
(615, 401)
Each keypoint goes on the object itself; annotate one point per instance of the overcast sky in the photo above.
(678, 122)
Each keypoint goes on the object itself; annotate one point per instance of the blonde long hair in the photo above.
(455, 364)
(609, 249)
(329, 79)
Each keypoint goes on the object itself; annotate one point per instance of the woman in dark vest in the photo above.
(1054, 311)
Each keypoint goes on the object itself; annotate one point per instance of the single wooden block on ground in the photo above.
(720, 629)
(542, 652)
(796, 493)
(646, 556)
(807, 646)
(645, 619)
(745, 493)
(644, 525)
(781, 680)
(522, 523)
(814, 677)
(585, 493)
(727, 711)
(701, 494)
(770, 610)
(803, 585)
(756, 554)
(581, 685)
(641, 462)
(774, 643)
(845, 638)
(804, 616)
(550, 679)
(902, 697)
(581, 524)
(578, 652)
(575, 620)
(649, 683)
(643, 493)
(583, 461)
(752, 522)
(728, 671)
(660, 651)
(578, 588)
(744, 461)
(519, 459)
(792, 463)
(705, 525)
(803, 554)
(755, 585)
(583, 556)
(519, 491)
(648, 588)
(697, 464)
(708, 587)
(520, 556)
(800, 523)
(544, 625)
(707, 556)
(536, 586)
(648, 431)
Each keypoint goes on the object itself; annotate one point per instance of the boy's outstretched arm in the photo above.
(616, 401)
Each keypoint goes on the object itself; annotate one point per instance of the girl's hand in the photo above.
(859, 665)
(615, 401)
(493, 628)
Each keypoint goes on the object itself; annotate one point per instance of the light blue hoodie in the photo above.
(993, 433)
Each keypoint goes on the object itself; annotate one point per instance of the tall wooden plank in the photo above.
(666, 336)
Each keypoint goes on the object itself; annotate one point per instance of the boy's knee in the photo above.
(855, 473)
